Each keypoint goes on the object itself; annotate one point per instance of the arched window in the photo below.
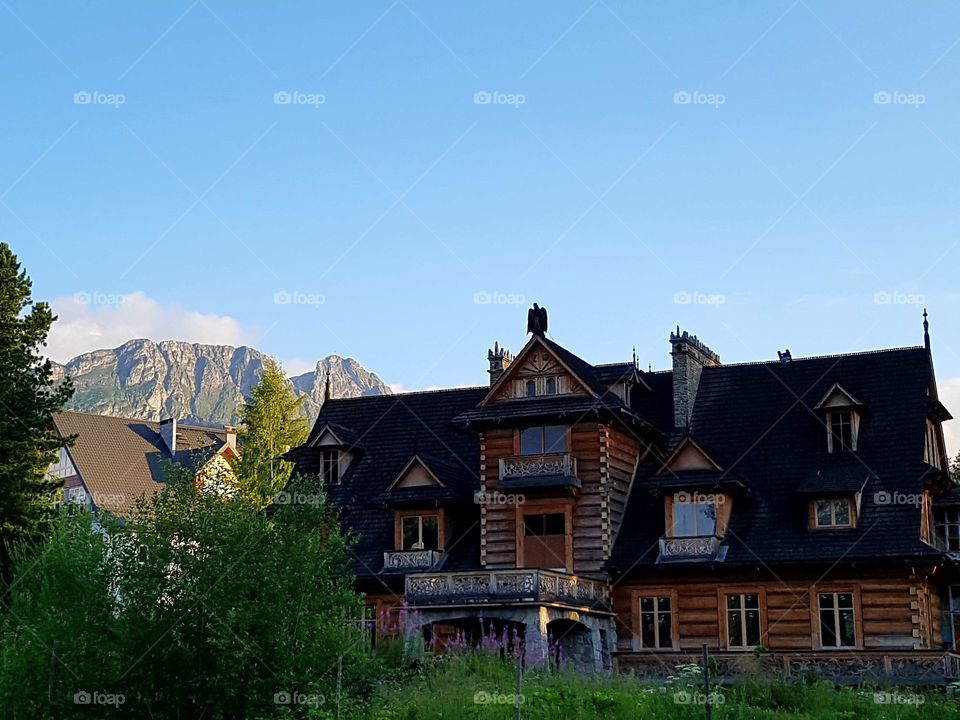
(551, 386)
(531, 388)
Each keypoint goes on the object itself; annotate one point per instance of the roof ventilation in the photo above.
(785, 357)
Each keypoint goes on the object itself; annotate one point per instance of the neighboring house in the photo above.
(116, 461)
(609, 513)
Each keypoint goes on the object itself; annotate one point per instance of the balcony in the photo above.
(506, 586)
(533, 471)
(410, 560)
(704, 547)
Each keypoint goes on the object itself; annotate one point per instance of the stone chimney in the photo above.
(231, 432)
(168, 432)
(500, 359)
(690, 356)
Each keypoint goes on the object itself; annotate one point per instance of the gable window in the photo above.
(743, 621)
(420, 532)
(837, 623)
(948, 529)
(543, 439)
(656, 622)
(331, 467)
(841, 431)
(551, 386)
(833, 513)
(693, 517)
(531, 388)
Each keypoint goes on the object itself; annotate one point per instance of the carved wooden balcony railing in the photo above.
(410, 560)
(520, 585)
(683, 548)
(561, 467)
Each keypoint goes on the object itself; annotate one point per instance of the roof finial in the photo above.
(635, 356)
(326, 389)
(926, 331)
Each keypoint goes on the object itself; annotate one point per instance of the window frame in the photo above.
(836, 590)
(948, 519)
(544, 507)
(518, 440)
(724, 616)
(854, 429)
(814, 516)
(401, 515)
(657, 593)
(672, 519)
(951, 617)
(338, 457)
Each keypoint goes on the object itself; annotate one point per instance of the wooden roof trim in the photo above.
(518, 362)
(837, 387)
(687, 441)
(319, 436)
(416, 459)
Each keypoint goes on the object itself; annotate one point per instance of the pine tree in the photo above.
(28, 398)
(271, 425)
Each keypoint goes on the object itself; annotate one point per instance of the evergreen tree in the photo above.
(28, 398)
(271, 425)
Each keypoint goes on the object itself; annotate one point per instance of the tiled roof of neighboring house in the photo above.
(759, 423)
(121, 460)
(389, 431)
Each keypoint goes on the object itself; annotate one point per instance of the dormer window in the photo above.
(531, 388)
(694, 516)
(420, 532)
(842, 430)
(543, 440)
(331, 467)
(832, 513)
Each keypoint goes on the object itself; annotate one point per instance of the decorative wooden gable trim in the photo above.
(688, 455)
(538, 363)
(326, 437)
(415, 474)
(837, 397)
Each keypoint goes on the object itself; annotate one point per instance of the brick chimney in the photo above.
(500, 359)
(690, 356)
(168, 433)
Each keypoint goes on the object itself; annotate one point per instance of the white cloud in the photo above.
(297, 366)
(949, 392)
(94, 320)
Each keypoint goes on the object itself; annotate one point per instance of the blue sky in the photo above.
(350, 178)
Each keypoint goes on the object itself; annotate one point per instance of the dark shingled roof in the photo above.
(758, 421)
(390, 430)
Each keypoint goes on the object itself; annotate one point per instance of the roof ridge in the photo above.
(124, 418)
(818, 357)
(411, 392)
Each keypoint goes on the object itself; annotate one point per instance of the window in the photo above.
(420, 532)
(331, 467)
(543, 439)
(545, 540)
(951, 619)
(841, 431)
(551, 386)
(531, 388)
(547, 524)
(656, 622)
(693, 518)
(833, 513)
(837, 624)
(948, 529)
(743, 621)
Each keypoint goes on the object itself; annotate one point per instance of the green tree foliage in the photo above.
(271, 425)
(199, 606)
(955, 469)
(28, 398)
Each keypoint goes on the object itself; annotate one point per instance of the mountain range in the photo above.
(195, 383)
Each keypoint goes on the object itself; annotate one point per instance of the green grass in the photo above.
(482, 687)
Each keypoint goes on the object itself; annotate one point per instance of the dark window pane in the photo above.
(842, 512)
(734, 629)
(753, 627)
(554, 439)
(431, 532)
(828, 637)
(752, 602)
(733, 602)
(848, 633)
(531, 388)
(823, 513)
(647, 630)
(646, 604)
(531, 441)
(666, 631)
(826, 600)
(551, 386)
(411, 532)
(845, 600)
(663, 604)
(554, 524)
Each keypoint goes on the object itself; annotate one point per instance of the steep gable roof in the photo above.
(121, 460)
